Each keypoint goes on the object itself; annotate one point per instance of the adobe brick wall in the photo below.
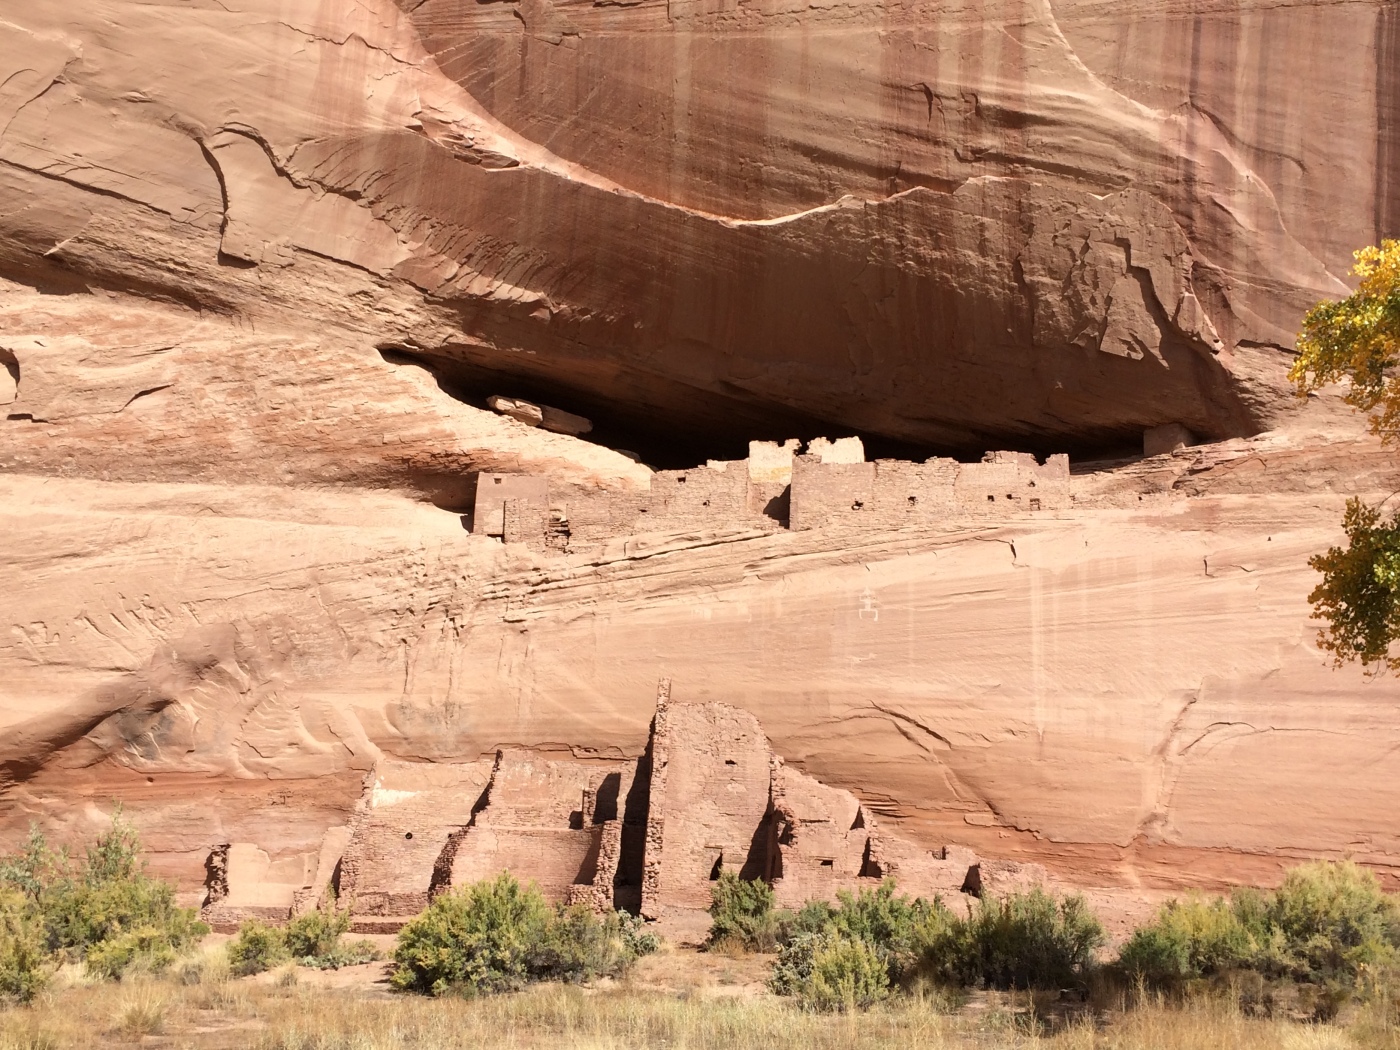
(400, 828)
(709, 803)
(541, 822)
(244, 882)
(820, 839)
(492, 491)
(716, 494)
(648, 835)
(825, 494)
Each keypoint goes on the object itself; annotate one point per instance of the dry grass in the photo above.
(707, 1004)
(142, 1011)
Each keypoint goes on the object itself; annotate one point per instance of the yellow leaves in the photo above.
(1358, 340)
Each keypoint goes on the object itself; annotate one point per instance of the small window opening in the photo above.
(991, 498)
(495, 481)
(719, 866)
(730, 762)
(1035, 503)
(680, 480)
(408, 834)
(913, 501)
(857, 505)
(827, 863)
(705, 504)
(1031, 484)
(1010, 496)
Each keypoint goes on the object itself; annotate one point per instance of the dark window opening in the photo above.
(680, 480)
(857, 505)
(1035, 503)
(913, 501)
(827, 863)
(991, 498)
(730, 762)
(1031, 484)
(719, 866)
(408, 834)
(496, 481)
(705, 504)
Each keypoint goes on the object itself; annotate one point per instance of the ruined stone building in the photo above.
(830, 485)
(648, 835)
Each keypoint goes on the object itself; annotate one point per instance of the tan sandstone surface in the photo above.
(262, 262)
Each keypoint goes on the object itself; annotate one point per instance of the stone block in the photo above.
(1159, 441)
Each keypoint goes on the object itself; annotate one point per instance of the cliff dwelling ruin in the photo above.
(647, 835)
(829, 485)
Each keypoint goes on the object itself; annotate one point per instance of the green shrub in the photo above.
(742, 914)
(897, 926)
(257, 948)
(638, 939)
(1190, 939)
(1329, 923)
(106, 910)
(1024, 940)
(318, 932)
(315, 940)
(1335, 921)
(829, 970)
(24, 961)
(498, 936)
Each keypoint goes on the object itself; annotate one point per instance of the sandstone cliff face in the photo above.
(262, 261)
(1053, 223)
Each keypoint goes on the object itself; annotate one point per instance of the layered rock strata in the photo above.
(1025, 223)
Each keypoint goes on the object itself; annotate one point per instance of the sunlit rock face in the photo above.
(952, 225)
(263, 261)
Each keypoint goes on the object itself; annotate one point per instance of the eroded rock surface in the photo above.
(262, 263)
(1024, 221)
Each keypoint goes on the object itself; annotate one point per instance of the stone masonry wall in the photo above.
(404, 822)
(533, 824)
(831, 486)
(709, 800)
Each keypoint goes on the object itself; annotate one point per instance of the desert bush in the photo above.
(850, 954)
(638, 939)
(742, 914)
(105, 910)
(829, 970)
(318, 932)
(1328, 924)
(24, 961)
(1023, 940)
(1335, 921)
(1189, 939)
(498, 936)
(257, 948)
(315, 940)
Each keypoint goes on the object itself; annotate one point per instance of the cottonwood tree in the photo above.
(1358, 339)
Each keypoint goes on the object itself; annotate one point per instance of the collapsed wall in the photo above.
(648, 835)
